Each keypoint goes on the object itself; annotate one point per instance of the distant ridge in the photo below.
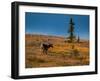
(51, 37)
(44, 35)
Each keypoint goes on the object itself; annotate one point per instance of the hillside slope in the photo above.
(61, 54)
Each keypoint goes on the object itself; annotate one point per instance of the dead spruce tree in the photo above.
(78, 40)
(72, 38)
(71, 31)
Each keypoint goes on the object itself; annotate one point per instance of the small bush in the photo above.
(75, 52)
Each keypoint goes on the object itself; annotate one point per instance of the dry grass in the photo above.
(60, 55)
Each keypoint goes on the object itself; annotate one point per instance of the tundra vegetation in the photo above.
(62, 53)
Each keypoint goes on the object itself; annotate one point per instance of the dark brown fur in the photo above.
(45, 47)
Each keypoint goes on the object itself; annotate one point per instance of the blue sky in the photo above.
(56, 24)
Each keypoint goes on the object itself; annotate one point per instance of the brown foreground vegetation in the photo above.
(61, 54)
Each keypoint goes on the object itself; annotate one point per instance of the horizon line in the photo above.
(54, 35)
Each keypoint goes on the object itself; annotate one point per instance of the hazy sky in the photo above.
(56, 24)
